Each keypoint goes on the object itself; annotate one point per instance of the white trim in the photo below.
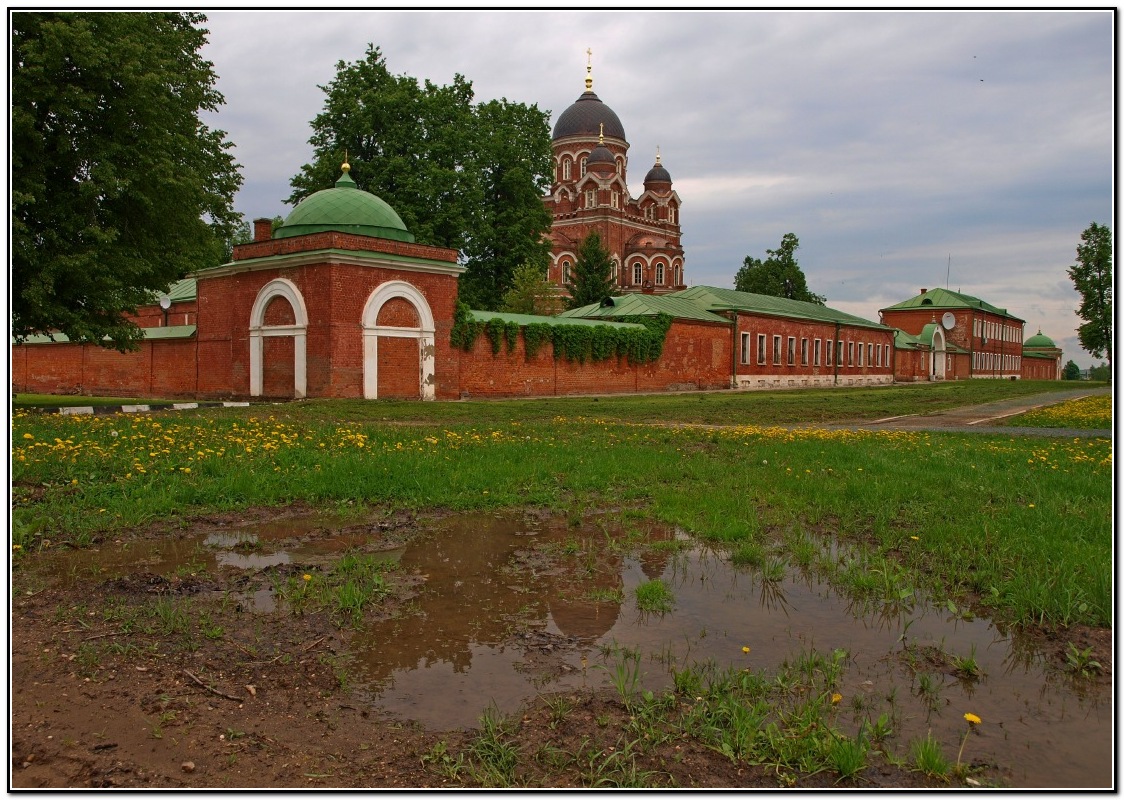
(424, 334)
(331, 256)
(279, 287)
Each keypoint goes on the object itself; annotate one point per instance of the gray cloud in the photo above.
(887, 141)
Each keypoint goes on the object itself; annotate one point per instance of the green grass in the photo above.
(654, 596)
(31, 401)
(1086, 413)
(1022, 524)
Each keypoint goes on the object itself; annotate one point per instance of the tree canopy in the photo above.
(461, 175)
(1092, 277)
(531, 292)
(1071, 372)
(118, 188)
(778, 275)
(592, 275)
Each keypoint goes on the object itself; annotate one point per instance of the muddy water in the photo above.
(513, 606)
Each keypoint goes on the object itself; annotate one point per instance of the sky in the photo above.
(905, 149)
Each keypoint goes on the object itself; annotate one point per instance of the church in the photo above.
(590, 193)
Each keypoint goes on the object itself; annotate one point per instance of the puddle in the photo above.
(499, 621)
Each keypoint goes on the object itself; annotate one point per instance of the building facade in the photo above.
(590, 192)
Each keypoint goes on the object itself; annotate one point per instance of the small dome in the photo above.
(657, 174)
(585, 118)
(602, 157)
(1039, 340)
(347, 209)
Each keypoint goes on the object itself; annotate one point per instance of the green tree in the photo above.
(1092, 277)
(531, 292)
(118, 188)
(592, 275)
(1071, 372)
(1102, 373)
(778, 275)
(464, 176)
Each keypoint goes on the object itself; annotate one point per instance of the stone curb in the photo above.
(135, 409)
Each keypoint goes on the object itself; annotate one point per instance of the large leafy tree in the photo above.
(460, 175)
(118, 187)
(1092, 277)
(778, 275)
(592, 276)
(1071, 372)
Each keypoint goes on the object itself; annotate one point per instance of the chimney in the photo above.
(263, 229)
(923, 291)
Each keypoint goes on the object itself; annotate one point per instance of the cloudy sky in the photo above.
(905, 149)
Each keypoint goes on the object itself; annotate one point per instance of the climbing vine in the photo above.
(579, 343)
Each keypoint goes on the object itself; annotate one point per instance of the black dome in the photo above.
(601, 155)
(657, 174)
(585, 117)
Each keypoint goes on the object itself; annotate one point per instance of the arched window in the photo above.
(566, 169)
(672, 214)
(565, 272)
(616, 271)
(637, 273)
(583, 166)
(678, 275)
(659, 274)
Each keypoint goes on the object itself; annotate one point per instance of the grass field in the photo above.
(1020, 525)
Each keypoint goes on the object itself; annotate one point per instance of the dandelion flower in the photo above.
(28, 436)
(915, 538)
(836, 697)
(306, 577)
(745, 649)
(17, 547)
(1031, 505)
(972, 718)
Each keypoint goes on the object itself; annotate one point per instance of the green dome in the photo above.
(346, 209)
(1039, 340)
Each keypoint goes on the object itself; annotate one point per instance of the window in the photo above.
(583, 165)
(616, 199)
(803, 352)
(672, 215)
(590, 198)
(678, 275)
(816, 353)
(760, 348)
(659, 274)
(860, 354)
(565, 272)
(637, 273)
(745, 348)
(647, 212)
(877, 355)
(616, 271)
(869, 354)
(566, 169)
(851, 354)
(776, 349)
(827, 360)
(791, 351)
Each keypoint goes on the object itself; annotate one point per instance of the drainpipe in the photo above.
(734, 354)
(838, 355)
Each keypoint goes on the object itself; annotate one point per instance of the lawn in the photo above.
(1021, 527)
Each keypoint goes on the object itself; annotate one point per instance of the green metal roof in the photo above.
(344, 208)
(170, 332)
(530, 319)
(1039, 340)
(647, 305)
(945, 298)
(718, 299)
(907, 341)
(1032, 354)
(182, 290)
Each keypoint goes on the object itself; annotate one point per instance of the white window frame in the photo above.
(762, 356)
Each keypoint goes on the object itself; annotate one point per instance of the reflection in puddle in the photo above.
(512, 605)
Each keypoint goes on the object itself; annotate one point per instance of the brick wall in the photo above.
(695, 356)
(161, 368)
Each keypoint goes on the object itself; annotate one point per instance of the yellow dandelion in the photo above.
(1031, 505)
(17, 547)
(745, 649)
(28, 436)
(306, 577)
(972, 719)
(915, 538)
(836, 697)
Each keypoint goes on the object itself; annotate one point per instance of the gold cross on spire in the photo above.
(601, 138)
(588, 69)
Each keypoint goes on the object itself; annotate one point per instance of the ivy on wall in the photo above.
(579, 343)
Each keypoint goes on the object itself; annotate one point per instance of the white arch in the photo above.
(938, 362)
(280, 287)
(372, 331)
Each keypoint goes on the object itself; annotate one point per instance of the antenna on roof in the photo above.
(948, 270)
